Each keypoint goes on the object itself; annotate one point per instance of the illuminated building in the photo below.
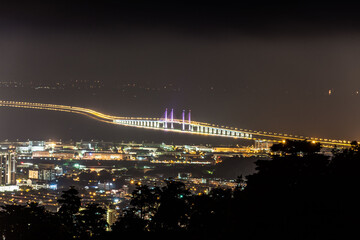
(54, 155)
(7, 168)
(33, 174)
(47, 174)
(232, 149)
(39, 154)
(105, 186)
(10, 188)
(43, 171)
(37, 146)
(63, 155)
(104, 156)
(111, 216)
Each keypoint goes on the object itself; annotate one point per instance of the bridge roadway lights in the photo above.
(218, 131)
(192, 128)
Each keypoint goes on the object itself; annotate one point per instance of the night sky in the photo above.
(261, 66)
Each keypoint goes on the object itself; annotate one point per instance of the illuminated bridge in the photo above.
(184, 125)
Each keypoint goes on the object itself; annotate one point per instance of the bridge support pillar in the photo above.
(172, 118)
(183, 120)
(190, 127)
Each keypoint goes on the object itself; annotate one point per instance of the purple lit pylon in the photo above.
(189, 120)
(183, 120)
(172, 118)
(165, 124)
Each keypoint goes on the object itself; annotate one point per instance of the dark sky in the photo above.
(273, 63)
(289, 46)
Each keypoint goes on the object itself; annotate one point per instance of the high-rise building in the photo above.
(7, 168)
(42, 174)
(111, 217)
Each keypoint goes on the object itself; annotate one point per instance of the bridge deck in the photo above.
(177, 125)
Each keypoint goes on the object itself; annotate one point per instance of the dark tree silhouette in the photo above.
(295, 147)
(231, 167)
(70, 204)
(290, 193)
(344, 168)
(92, 222)
(88, 175)
(144, 200)
(104, 176)
(210, 214)
(129, 222)
(173, 210)
(18, 222)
